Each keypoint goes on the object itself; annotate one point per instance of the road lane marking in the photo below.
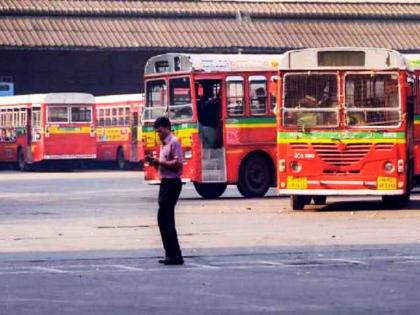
(203, 266)
(124, 267)
(47, 269)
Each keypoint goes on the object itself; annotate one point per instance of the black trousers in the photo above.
(168, 197)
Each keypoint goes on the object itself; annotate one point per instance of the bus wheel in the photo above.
(21, 163)
(396, 202)
(320, 200)
(254, 177)
(210, 190)
(121, 163)
(298, 202)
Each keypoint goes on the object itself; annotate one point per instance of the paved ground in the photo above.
(87, 243)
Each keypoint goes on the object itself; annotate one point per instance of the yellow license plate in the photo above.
(386, 183)
(297, 182)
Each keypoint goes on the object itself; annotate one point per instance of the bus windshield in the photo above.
(156, 100)
(372, 100)
(180, 105)
(310, 100)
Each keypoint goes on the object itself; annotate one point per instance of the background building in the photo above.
(101, 46)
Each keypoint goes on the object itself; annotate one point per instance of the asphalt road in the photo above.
(87, 243)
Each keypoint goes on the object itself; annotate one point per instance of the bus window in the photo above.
(100, 113)
(127, 116)
(258, 95)
(22, 115)
(156, 101)
(81, 114)
(310, 100)
(180, 106)
(372, 100)
(235, 96)
(36, 117)
(16, 118)
(58, 114)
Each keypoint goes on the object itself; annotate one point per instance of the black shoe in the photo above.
(176, 260)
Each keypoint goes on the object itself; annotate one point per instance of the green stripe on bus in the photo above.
(175, 126)
(253, 120)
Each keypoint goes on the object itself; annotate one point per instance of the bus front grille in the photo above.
(340, 154)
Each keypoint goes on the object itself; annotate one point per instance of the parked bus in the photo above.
(38, 127)
(345, 125)
(414, 60)
(222, 112)
(118, 129)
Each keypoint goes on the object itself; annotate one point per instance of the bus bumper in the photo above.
(340, 192)
(69, 157)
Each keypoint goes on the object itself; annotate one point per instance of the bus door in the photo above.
(134, 137)
(209, 112)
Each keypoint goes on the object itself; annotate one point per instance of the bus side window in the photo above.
(36, 117)
(127, 117)
(258, 95)
(114, 120)
(107, 117)
(235, 96)
(121, 118)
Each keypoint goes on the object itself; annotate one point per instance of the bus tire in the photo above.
(396, 202)
(120, 159)
(298, 202)
(210, 190)
(21, 162)
(255, 176)
(320, 200)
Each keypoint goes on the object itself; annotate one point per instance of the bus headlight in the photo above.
(188, 154)
(295, 166)
(389, 167)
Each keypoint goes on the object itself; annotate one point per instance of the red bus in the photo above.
(54, 126)
(223, 113)
(414, 60)
(345, 125)
(118, 129)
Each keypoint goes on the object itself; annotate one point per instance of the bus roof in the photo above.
(333, 58)
(173, 62)
(119, 98)
(50, 98)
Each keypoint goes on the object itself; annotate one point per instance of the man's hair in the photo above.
(162, 122)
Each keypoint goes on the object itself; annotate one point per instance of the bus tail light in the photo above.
(282, 166)
(400, 166)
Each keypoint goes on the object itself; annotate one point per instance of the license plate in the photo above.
(297, 182)
(386, 183)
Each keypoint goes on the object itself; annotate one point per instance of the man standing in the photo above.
(170, 170)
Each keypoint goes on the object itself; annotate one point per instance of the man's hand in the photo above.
(152, 161)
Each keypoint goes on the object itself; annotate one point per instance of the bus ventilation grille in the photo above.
(338, 154)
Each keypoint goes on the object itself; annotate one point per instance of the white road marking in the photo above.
(124, 267)
(203, 266)
(47, 269)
